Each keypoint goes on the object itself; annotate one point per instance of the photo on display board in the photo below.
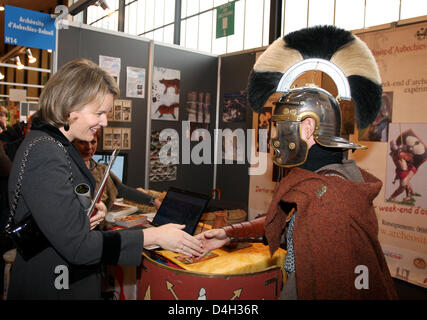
(135, 82)
(116, 138)
(264, 122)
(234, 109)
(107, 139)
(165, 94)
(201, 134)
(121, 111)
(127, 110)
(158, 170)
(406, 179)
(110, 114)
(198, 106)
(112, 65)
(378, 130)
(192, 106)
(126, 138)
(117, 110)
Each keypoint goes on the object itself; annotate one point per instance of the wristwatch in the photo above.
(152, 201)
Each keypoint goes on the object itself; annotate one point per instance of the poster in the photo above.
(234, 109)
(192, 106)
(127, 110)
(121, 111)
(135, 82)
(117, 113)
(116, 138)
(406, 167)
(261, 190)
(401, 206)
(201, 134)
(112, 65)
(264, 122)
(126, 138)
(165, 94)
(158, 170)
(198, 106)
(107, 139)
(261, 187)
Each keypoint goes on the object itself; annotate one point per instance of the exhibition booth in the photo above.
(192, 103)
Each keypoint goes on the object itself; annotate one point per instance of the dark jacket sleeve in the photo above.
(48, 195)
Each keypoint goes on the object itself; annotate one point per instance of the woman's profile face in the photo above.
(86, 149)
(85, 122)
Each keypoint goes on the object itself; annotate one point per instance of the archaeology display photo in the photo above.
(165, 94)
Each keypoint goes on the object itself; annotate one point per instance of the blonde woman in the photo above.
(73, 105)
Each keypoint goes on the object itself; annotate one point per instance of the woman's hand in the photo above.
(99, 216)
(213, 239)
(171, 237)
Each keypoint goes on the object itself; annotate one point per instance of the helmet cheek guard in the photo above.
(289, 148)
(295, 106)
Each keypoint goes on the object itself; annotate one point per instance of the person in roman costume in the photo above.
(322, 209)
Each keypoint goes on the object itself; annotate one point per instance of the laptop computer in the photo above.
(181, 207)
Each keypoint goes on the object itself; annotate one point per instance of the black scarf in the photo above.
(319, 157)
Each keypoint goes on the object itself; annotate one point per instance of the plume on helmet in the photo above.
(336, 45)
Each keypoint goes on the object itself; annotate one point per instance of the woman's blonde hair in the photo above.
(73, 86)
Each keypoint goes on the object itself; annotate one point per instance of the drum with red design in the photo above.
(161, 282)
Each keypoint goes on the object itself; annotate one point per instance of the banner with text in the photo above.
(29, 28)
(399, 158)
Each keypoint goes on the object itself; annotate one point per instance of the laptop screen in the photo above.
(181, 207)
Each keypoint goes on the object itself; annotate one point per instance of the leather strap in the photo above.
(22, 168)
(251, 231)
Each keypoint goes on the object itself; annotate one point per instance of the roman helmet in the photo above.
(339, 54)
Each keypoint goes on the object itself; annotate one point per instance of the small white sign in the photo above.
(17, 94)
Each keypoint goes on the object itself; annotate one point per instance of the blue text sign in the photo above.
(29, 28)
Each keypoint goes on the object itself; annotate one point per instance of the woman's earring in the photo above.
(66, 127)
